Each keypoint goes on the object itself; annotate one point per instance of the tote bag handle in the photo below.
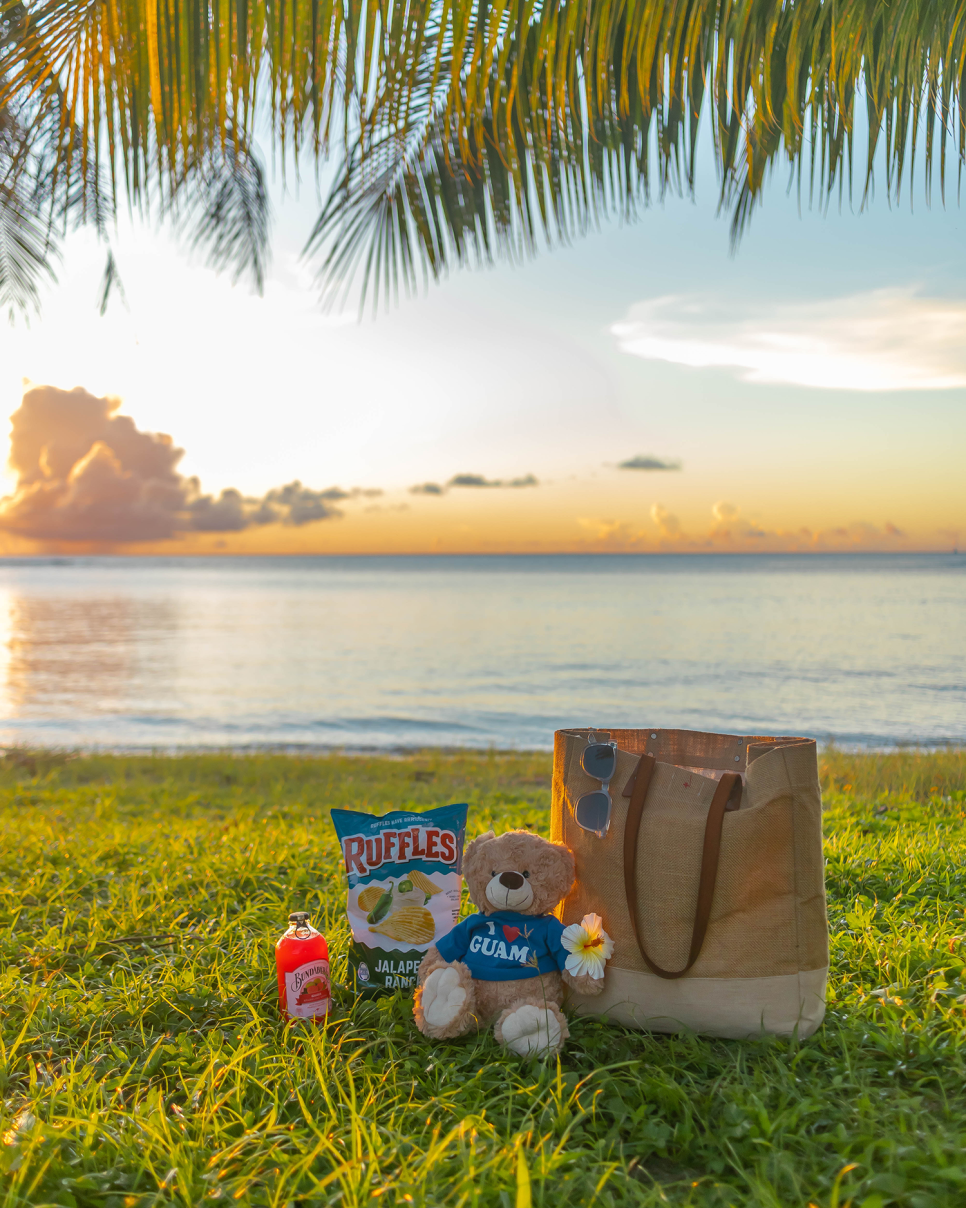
(729, 786)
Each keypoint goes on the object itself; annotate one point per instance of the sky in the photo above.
(643, 389)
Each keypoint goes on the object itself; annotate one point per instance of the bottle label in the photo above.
(307, 990)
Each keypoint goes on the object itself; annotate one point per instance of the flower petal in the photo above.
(587, 962)
(573, 936)
(574, 963)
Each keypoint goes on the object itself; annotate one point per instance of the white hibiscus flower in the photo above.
(589, 946)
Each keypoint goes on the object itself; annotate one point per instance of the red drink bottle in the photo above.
(302, 963)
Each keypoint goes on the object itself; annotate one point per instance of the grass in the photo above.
(142, 1061)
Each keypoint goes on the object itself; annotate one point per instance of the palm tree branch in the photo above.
(476, 129)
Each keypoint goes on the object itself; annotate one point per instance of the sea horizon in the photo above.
(396, 653)
(290, 555)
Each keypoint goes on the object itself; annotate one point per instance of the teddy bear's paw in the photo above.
(443, 997)
(531, 1031)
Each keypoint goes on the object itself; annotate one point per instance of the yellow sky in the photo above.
(823, 407)
(613, 512)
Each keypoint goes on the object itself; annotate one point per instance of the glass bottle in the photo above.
(302, 965)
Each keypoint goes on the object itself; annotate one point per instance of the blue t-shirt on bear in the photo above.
(506, 946)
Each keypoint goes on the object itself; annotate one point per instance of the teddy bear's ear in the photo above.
(471, 857)
(552, 874)
(475, 844)
(567, 866)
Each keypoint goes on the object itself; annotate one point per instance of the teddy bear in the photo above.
(508, 964)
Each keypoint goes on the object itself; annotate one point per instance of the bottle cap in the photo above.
(299, 917)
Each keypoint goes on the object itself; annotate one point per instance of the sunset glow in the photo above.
(595, 399)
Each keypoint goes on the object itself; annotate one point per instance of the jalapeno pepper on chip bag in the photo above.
(404, 874)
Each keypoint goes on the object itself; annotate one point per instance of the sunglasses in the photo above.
(592, 811)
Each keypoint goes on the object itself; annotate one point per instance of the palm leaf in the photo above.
(482, 128)
(26, 249)
(523, 126)
(110, 283)
(223, 205)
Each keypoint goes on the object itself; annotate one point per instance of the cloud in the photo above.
(298, 505)
(229, 513)
(723, 512)
(732, 532)
(472, 480)
(615, 535)
(477, 480)
(889, 339)
(668, 524)
(855, 536)
(645, 462)
(730, 526)
(85, 473)
(292, 504)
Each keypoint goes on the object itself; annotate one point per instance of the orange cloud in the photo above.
(84, 473)
(731, 531)
(615, 535)
(668, 524)
(730, 528)
(89, 475)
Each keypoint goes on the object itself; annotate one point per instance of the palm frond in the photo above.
(27, 250)
(110, 283)
(480, 129)
(415, 203)
(147, 86)
(27, 243)
(524, 124)
(228, 211)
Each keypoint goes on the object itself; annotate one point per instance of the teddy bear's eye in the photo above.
(526, 874)
(492, 872)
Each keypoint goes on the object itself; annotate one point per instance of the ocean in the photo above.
(865, 650)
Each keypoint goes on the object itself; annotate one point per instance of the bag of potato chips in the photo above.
(404, 875)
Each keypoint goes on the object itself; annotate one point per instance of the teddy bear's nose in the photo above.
(511, 880)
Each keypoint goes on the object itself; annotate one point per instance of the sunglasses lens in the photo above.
(592, 812)
(599, 760)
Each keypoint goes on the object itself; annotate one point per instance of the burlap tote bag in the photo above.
(709, 880)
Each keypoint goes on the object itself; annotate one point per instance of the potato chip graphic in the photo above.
(421, 881)
(368, 898)
(410, 923)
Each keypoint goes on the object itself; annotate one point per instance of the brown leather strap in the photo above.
(729, 786)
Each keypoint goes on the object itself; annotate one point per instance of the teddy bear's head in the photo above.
(517, 871)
